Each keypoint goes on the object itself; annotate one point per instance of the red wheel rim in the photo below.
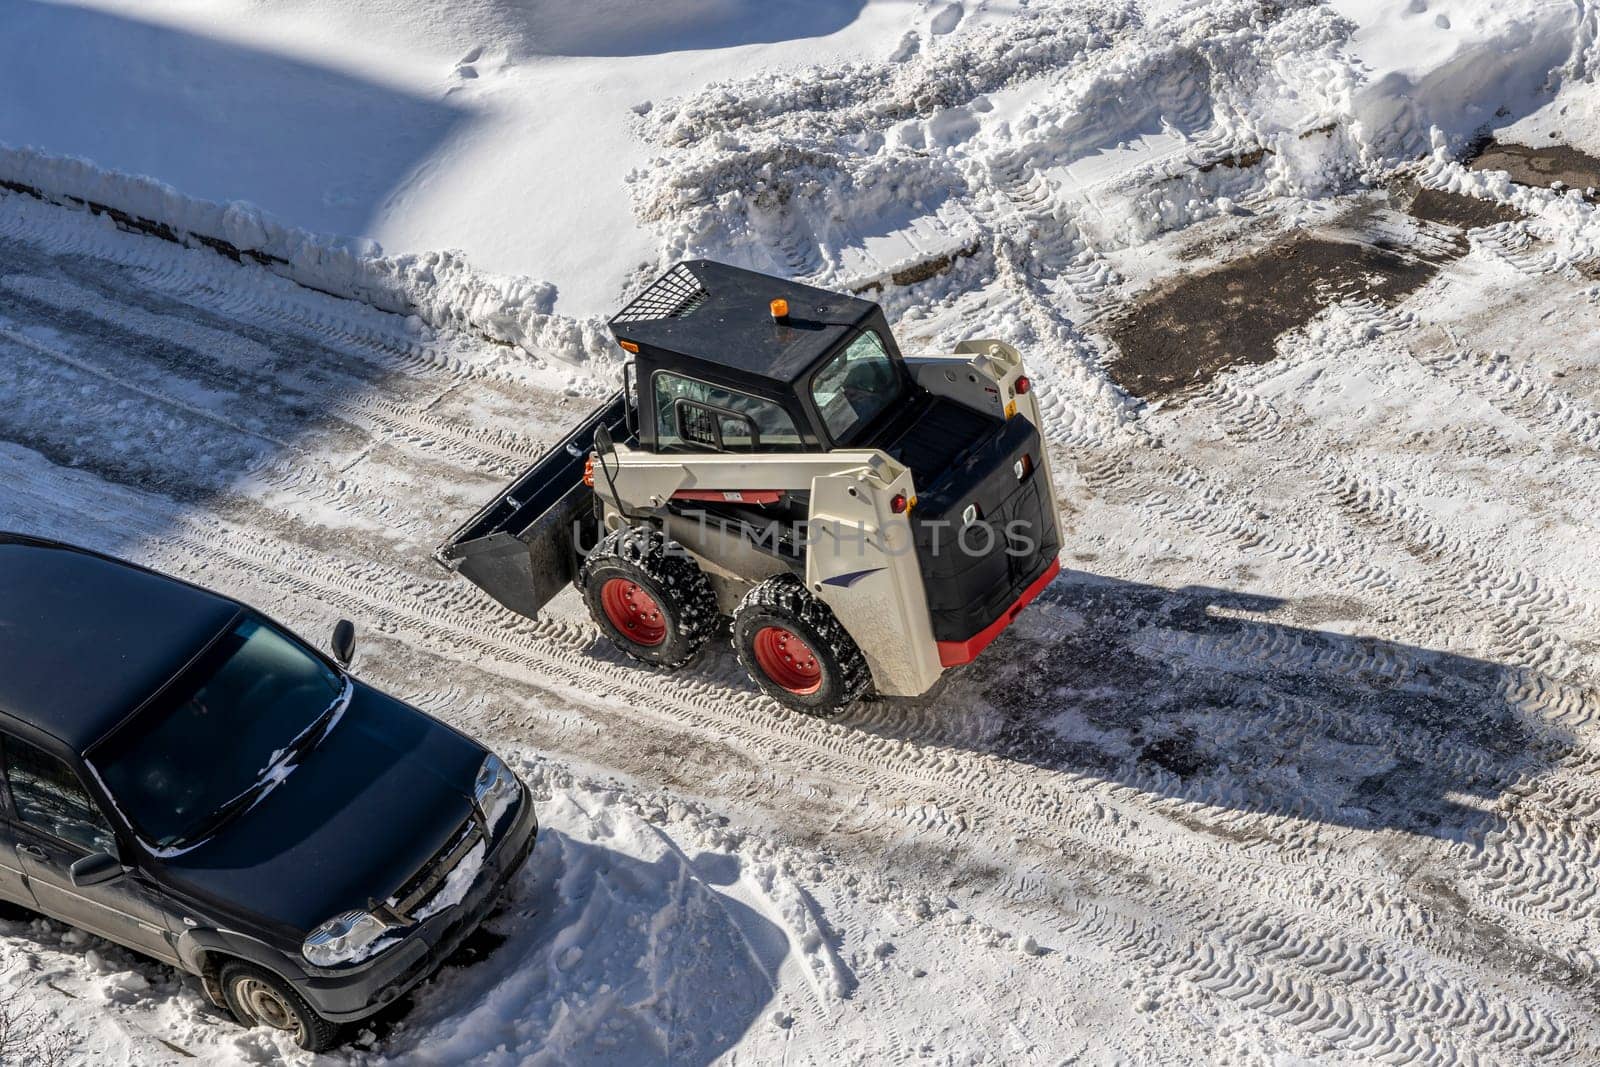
(633, 611)
(785, 657)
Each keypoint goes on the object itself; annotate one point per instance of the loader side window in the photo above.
(855, 387)
(698, 415)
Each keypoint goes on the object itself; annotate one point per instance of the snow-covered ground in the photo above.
(1296, 761)
(499, 127)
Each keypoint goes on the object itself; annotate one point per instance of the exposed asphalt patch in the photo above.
(1176, 754)
(1460, 210)
(1186, 332)
(1557, 166)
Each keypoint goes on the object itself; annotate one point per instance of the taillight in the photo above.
(588, 470)
(1022, 467)
(1022, 386)
(898, 503)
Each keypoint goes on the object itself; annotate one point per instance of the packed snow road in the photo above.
(1179, 812)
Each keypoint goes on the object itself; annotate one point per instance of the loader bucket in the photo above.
(523, 547)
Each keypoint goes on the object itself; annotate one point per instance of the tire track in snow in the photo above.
(346, 591)
(1527, 614)
(1494, 378)
(1099, 825)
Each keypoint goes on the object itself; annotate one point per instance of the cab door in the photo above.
(56, 823)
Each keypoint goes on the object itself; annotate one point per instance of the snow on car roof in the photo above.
(86, 639)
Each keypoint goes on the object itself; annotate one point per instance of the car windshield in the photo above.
(183, 763)
(855, 387)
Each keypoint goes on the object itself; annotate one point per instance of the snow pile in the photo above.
(851, 142)
(502, 131)
(619, 947)
(440, 288)
(1459, 67)
(1158, 117)
(1565, 221)
(1025, 148)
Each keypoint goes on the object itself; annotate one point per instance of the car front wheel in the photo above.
(257, 997)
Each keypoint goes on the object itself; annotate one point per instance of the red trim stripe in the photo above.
(730, 496)
(956, 653)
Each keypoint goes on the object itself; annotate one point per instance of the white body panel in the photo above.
(861, 558)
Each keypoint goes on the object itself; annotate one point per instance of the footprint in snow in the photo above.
(465, 66)
(948, 18)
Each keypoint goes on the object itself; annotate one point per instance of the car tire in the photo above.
(257, 997)
(649, 597)
(794, 647)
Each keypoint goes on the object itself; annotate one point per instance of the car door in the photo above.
(13, 884)
(57, 823)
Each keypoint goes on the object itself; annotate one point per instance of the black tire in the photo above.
(257, 997)
(675, 608)
(841, 673)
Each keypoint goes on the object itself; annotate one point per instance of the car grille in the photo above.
(426, 881)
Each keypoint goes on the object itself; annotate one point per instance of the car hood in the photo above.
(361, 813)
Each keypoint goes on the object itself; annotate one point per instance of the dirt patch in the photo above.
(135, 224)
(1460, 210)
(1237, 160)
(920, 272)
(1188, 331)
(1556, 166)
(1176, 754)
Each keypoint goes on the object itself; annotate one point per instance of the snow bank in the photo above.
(502, 130)
(1566, 223)
(441, 288)
(1459, 68)
(1157, 118)
(854, 142)
(618, 950)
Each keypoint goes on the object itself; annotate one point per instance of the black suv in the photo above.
(186, 778)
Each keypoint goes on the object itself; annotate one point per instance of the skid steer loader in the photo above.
(867, 520)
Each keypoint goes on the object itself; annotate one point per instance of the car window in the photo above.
(855, 386)
(50, 797)
(215, 734)
(775, 430)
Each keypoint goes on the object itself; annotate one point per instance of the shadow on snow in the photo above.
(1181, 693)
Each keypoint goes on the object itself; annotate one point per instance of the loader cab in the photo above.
(730, 360)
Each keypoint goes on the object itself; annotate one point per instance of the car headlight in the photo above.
(346, 938)
(495, 791)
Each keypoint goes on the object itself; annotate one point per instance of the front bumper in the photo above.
(350, 994)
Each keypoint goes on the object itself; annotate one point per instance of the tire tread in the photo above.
(786, 597)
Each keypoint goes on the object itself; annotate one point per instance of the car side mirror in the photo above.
(344, 642)
(97, 868)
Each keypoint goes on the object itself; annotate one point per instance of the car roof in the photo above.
(85, 639)
(721, 315)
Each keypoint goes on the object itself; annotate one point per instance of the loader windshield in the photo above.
(856, 386)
